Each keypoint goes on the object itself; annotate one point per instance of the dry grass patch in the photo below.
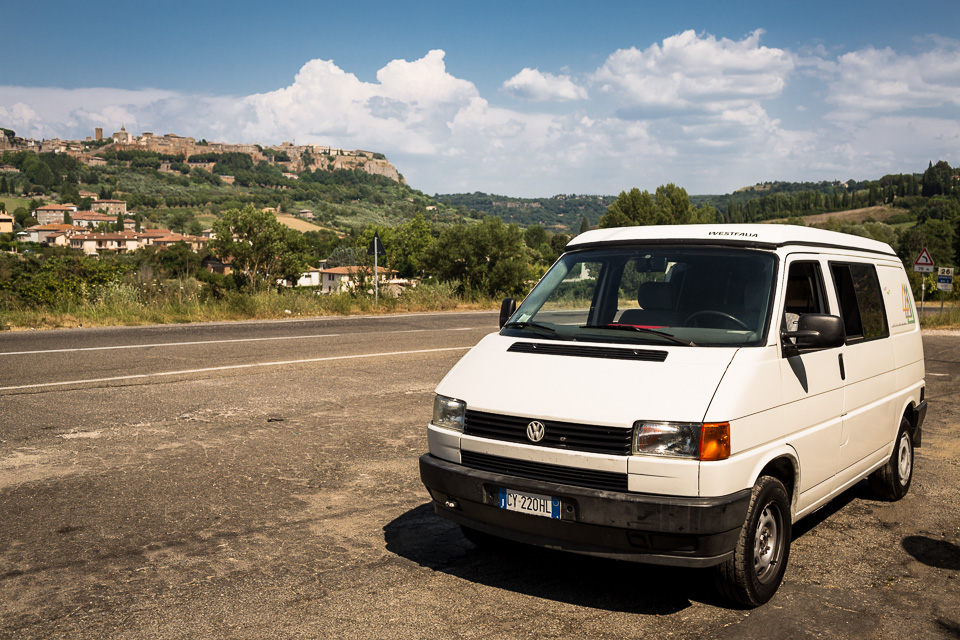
(879, 213)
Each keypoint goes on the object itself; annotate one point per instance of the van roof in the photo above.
(765, 236)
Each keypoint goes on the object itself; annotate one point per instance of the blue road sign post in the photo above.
(944, 282)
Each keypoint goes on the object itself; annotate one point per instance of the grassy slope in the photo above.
(879, 213)
(297, 223)
(12, 203)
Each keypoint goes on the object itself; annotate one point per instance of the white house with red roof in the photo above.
(342, 279)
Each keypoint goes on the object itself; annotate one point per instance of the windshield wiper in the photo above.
(630, 327)
(531, 325)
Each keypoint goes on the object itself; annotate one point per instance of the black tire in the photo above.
(756, 570)
(892, 480)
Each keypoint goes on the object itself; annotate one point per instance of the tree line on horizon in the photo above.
(481, 254)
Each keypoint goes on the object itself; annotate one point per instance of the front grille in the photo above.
(582, 351)
(559, 435)
(605, 480)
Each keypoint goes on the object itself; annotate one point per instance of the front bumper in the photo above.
(692, 532)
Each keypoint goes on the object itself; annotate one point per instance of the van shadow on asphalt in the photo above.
(430, 541)
(933, 553)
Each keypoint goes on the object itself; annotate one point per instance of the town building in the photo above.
(109, 207)
(42, 232)
(92, 220)
(96, 243)
(49, 213)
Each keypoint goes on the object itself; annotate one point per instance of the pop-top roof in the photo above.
(749, 235)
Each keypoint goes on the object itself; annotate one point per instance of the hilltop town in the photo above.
(291, 158)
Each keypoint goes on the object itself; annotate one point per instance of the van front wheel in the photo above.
(756, 570)
(892, 480)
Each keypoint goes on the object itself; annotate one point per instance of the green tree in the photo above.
(487, 257)
(535, 236)
(256, 244)
(630, 209)
(670, 205)
(69, 194)
(408, 246)
(937, 179)
(38, 172)
(558, 242)
(178, 260)
(940, 208)
(584, 225)
(67, 218)
(20, 215)
(177, 221)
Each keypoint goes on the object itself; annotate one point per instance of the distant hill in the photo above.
(562, 213)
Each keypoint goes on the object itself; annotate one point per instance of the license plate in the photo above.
(532, 503)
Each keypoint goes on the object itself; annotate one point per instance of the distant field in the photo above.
(297, 223)
(880, 214)
(12, 203)
(302, 225)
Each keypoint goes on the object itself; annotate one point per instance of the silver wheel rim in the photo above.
(767, 543)
(904, 459)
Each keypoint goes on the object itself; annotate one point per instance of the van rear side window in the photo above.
(861, 302)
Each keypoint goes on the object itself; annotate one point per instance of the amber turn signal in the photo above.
(715, 441)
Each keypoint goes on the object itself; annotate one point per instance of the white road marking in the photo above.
(196, 342)
(227, 368)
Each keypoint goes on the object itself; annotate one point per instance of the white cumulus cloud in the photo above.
(696, 71)
(536, 85)
(708, 113)
(882, 80)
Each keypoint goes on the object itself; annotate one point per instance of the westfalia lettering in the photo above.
(741, 234)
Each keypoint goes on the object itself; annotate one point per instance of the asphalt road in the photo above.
(256, 480)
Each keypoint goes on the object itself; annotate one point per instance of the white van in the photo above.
(682, 395)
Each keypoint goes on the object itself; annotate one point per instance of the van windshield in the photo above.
(645, 295)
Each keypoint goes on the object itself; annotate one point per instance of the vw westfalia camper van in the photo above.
(682, 395)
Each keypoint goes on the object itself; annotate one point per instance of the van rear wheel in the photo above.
(756, 570)
(892, 480)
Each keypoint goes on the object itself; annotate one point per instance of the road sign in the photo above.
(924, 262)
(376, 247)
(945, 278)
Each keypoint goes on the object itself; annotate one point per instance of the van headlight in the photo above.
(448, 413)
(671, 439)
(693, 440)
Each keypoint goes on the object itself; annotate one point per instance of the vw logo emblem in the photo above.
(536, 431)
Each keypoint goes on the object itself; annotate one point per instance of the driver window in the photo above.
(804, 293)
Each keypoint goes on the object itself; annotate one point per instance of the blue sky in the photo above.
(516, 98)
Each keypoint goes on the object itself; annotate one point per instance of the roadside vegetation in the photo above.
(462, 257)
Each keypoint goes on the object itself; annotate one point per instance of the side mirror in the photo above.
(816, 331)
(507, 307)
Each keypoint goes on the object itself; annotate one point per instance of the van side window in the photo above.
(861, 302)
(804, 293)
